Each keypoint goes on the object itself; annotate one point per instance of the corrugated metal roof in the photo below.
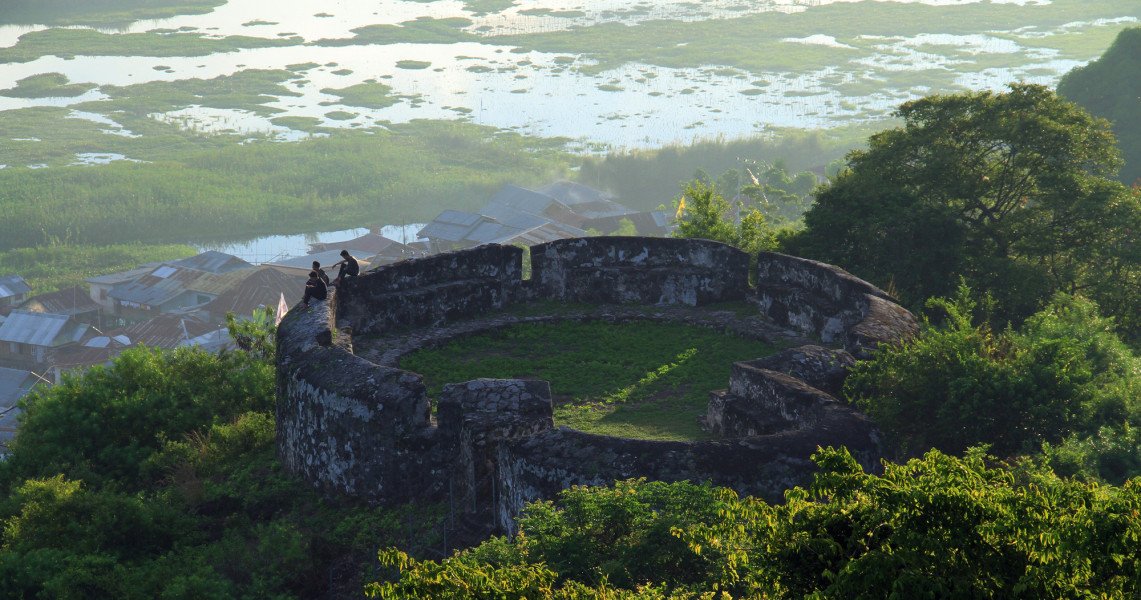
(82, 356)
(572, 194)
(521, 199)
(70, 301)
(326, 259)
(451, 226)
(513, 217)
(167, 282)
(123, 276)
(373, 243)
(213, 261)
(14, 383)
(263, 287)
(166, 331)
(40, 329)
(13, 285)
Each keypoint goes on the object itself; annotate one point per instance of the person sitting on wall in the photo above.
(315, 289)
(349, 268)
(320, 272)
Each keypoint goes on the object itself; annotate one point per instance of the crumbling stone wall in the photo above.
(353, 427)
(432, 290)
(824, 300)
(639, 270)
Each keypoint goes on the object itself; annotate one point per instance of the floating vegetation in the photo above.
(369, 94)
(343, 72)
(341, 115)
(609, 87)
(412, 64)
(69, 43)
(47, 85)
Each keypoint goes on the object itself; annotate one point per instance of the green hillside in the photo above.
(1110, 87)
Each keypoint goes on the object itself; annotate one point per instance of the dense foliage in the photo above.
(703, 213)
(155, 477)
(1010, 190)
(1110, 87)
(1062, 373)
(935, 527)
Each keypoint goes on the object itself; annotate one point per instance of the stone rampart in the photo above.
(356, 428)
(827, 301)
(432, 290)
(639, 270)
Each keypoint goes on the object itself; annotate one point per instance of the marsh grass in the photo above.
(56, 266)
(369, 94)
(247, 90)
(640, 379)
(99, 13)
(69, 43)
(47, 85)
(221, 190)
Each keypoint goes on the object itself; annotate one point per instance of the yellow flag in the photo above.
(680, 209)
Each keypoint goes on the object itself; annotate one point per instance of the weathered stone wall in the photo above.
(827, 301)
(352, 427)
(432, 290)
(341, 420)
(639, 270)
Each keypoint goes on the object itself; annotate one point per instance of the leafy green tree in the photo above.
(704, 213)
(1010, 190)
(1063, 372)
(256, 335)
(935, 527)
(103, 425)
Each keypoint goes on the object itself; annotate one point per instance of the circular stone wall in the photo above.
(354, 424)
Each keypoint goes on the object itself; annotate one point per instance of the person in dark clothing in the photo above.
(315, 289)
(320, 272)
(349, 268)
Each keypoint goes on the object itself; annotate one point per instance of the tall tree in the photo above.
(1011, 190)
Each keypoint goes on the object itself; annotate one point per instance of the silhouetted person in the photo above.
(315, 289)
(349, 268)
(320, 272)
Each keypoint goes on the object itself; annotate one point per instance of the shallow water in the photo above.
(635, 105)
(272, 248)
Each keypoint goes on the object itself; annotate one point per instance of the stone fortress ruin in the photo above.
(352, 423)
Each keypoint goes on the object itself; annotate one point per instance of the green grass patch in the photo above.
(245, 90)
(52, 267)
(309, 124)
(755, 43)
(69, 43)
(340, 115)
(483, 7)
(413, 64)
(47, 85)
(641, 379)
(99, 13)
(215, 189)
(370, 94)
(424, 30)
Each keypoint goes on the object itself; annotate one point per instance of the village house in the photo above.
(381, 249)
(176, 286)
(454, 229)
(13, 291)
(29, 340)
(14, 385)
(74, 302)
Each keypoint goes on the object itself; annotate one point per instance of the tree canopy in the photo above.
(1011, 190)
(935, 527)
